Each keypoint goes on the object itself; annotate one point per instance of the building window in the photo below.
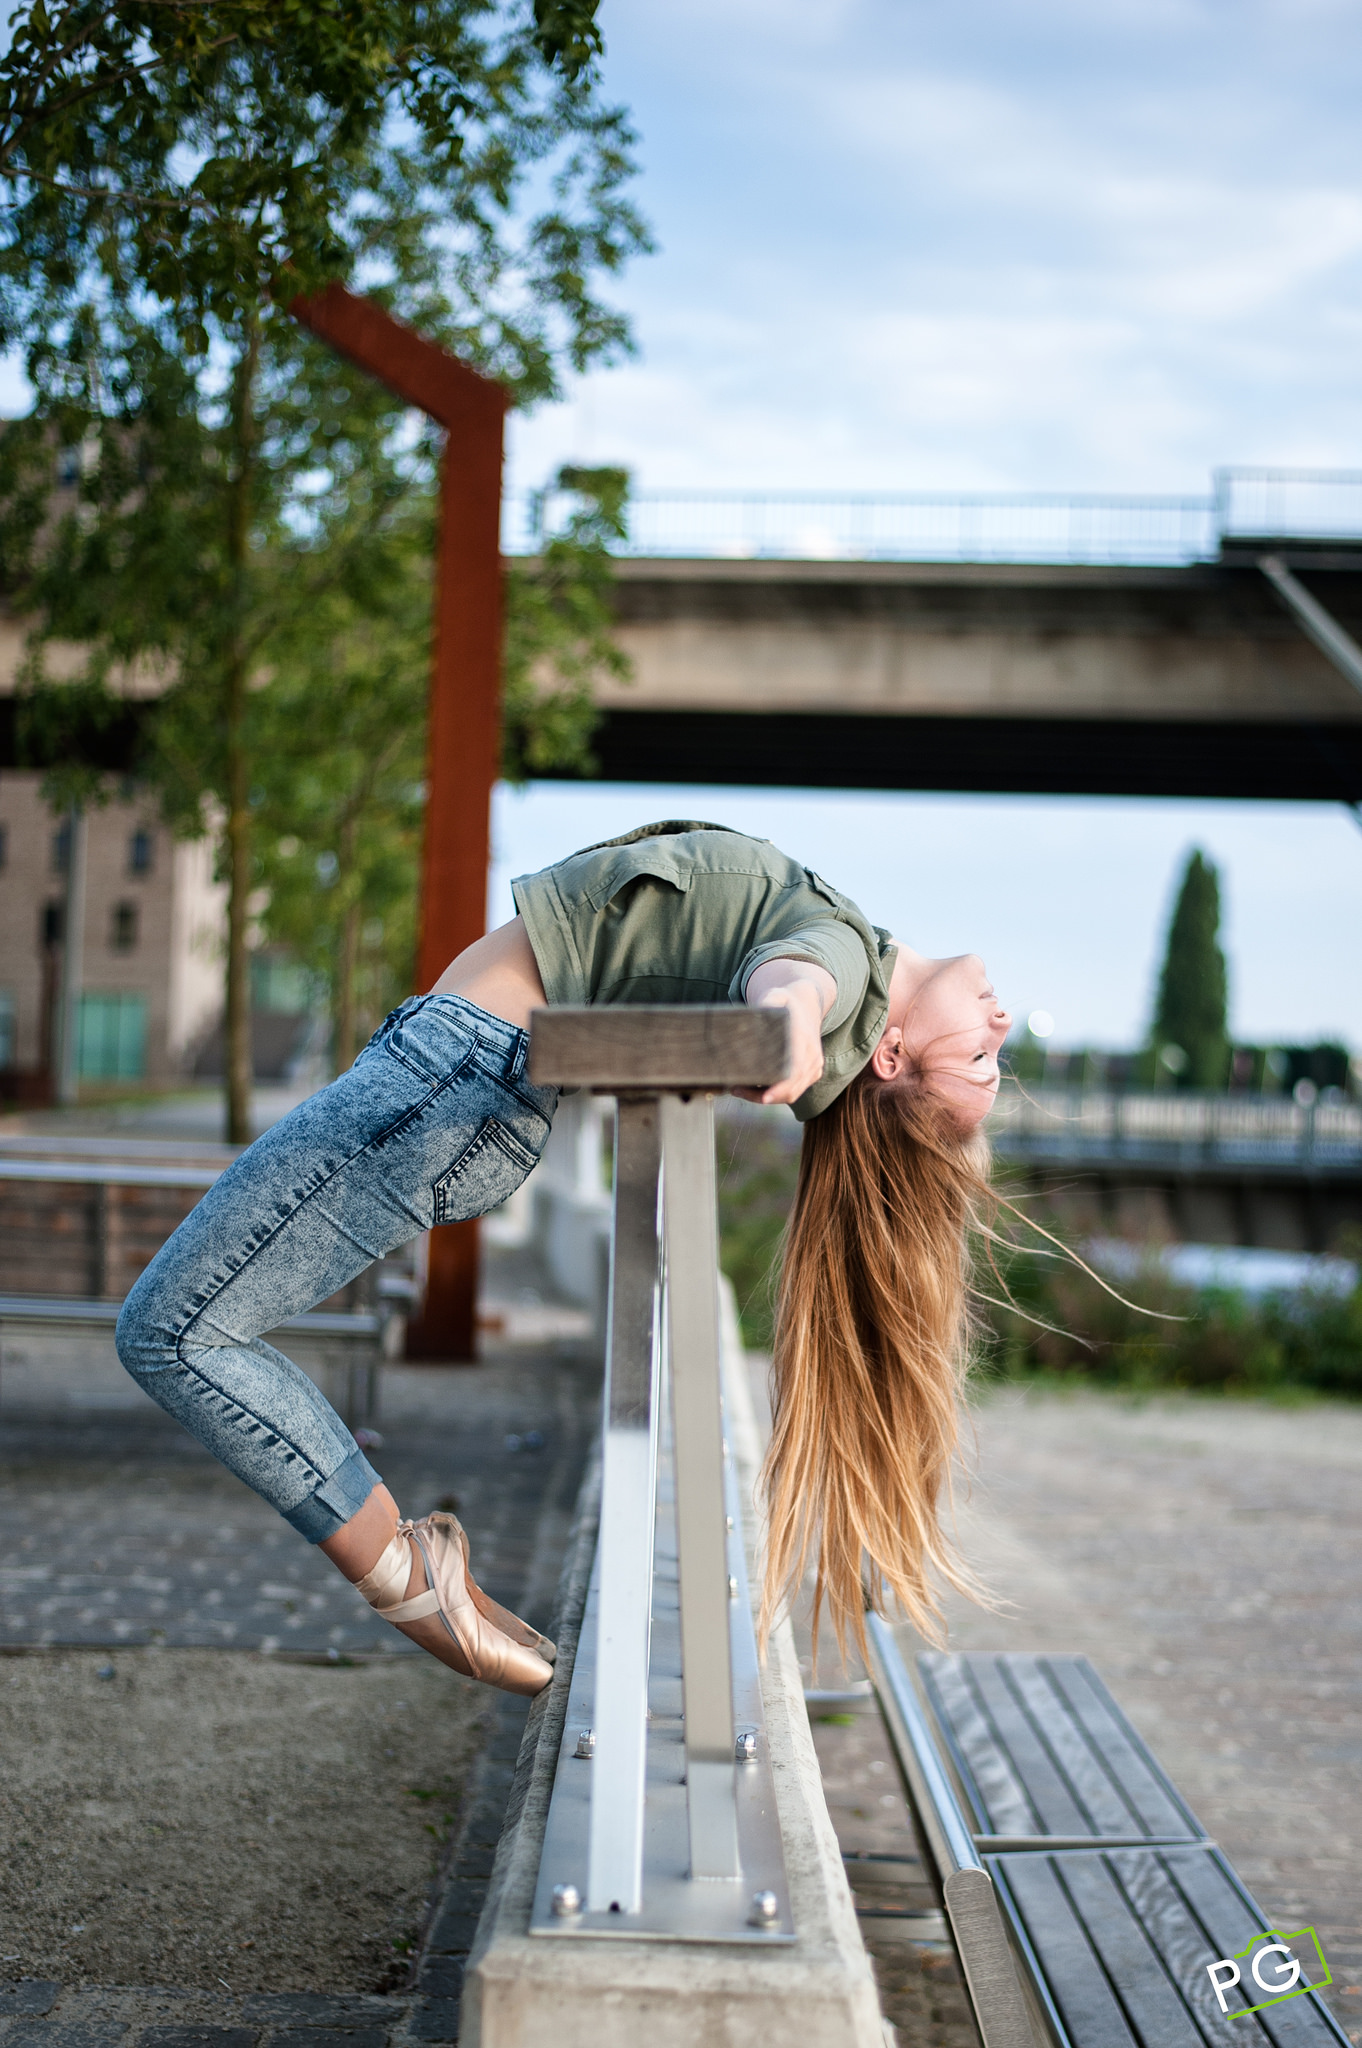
(4, 846)
(6, 1028)
(54, 922)
(112, 1042)
(141, 847)
(123, 927)
(61, 847)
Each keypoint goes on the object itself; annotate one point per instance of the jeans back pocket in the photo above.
(486, 1173)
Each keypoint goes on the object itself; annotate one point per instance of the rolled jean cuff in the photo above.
(338, 1498)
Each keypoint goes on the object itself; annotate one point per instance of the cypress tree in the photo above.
(1191, 1010)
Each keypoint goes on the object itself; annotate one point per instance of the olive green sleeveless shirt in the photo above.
(683, 912)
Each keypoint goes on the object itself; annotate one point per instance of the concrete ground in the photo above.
(211, 1819)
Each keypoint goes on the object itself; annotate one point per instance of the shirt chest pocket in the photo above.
(486, 1173)
(617, 870)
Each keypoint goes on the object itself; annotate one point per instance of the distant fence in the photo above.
(929, 526)
(1168, 1129)
(906, 527)
(1313, 504)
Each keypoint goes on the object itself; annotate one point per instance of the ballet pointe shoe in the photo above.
(476, 1640)
(501, 1617)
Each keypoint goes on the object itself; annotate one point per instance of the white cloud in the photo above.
(987, 246)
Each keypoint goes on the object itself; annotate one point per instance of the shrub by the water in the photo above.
(1044, 1316)
(1222, 1339)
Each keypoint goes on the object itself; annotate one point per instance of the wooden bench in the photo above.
(1086, 1900)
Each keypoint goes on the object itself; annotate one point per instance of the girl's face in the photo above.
(947, 1025)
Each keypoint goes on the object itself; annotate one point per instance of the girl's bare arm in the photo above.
(806, 992)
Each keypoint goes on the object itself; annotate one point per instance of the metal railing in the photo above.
(1131, 529)
(662, 1819)
(1184, 1129)
(903, 526)
(1286, 504)
(967, 1889)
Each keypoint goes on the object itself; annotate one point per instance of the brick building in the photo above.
(150, 973)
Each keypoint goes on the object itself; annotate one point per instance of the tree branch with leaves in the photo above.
(173, 174)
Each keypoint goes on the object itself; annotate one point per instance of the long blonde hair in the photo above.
(871, 1350)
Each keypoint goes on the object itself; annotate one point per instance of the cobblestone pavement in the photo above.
(117, 1528)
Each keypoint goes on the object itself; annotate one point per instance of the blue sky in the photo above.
(989, 245)
(993, 246)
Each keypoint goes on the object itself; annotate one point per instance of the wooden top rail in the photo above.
(658, 1046)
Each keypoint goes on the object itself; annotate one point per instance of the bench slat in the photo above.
(1090, 2011)
(1137, 1945)
(1147, 1922)
(1095, 1788)
(1041, 1736)
(1155, 1800)
(991, 1784)
(1013, 1729)
(1231, 1918)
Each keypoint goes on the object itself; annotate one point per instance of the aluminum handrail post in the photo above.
(628, 1514)
(692, 1253)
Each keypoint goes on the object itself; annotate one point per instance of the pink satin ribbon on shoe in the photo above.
(389, 1576)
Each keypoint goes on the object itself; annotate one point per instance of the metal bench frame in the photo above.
(1086, 1939)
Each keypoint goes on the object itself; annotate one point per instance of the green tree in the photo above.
(175, 174)
(338, 822)
(1190, 1037)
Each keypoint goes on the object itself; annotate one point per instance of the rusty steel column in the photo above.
(464, 744)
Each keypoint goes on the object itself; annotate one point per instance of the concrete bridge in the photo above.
(1189, 681)
(1100, 647)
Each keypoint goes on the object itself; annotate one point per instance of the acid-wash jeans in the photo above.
(435, 1122)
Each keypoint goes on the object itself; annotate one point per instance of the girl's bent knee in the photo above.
(141, 1338)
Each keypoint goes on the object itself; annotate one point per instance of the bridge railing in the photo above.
(1099, 1123)
(980, 526)
(916, 526)
(1306, 504)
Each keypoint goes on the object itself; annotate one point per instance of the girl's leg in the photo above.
(433, 1123)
